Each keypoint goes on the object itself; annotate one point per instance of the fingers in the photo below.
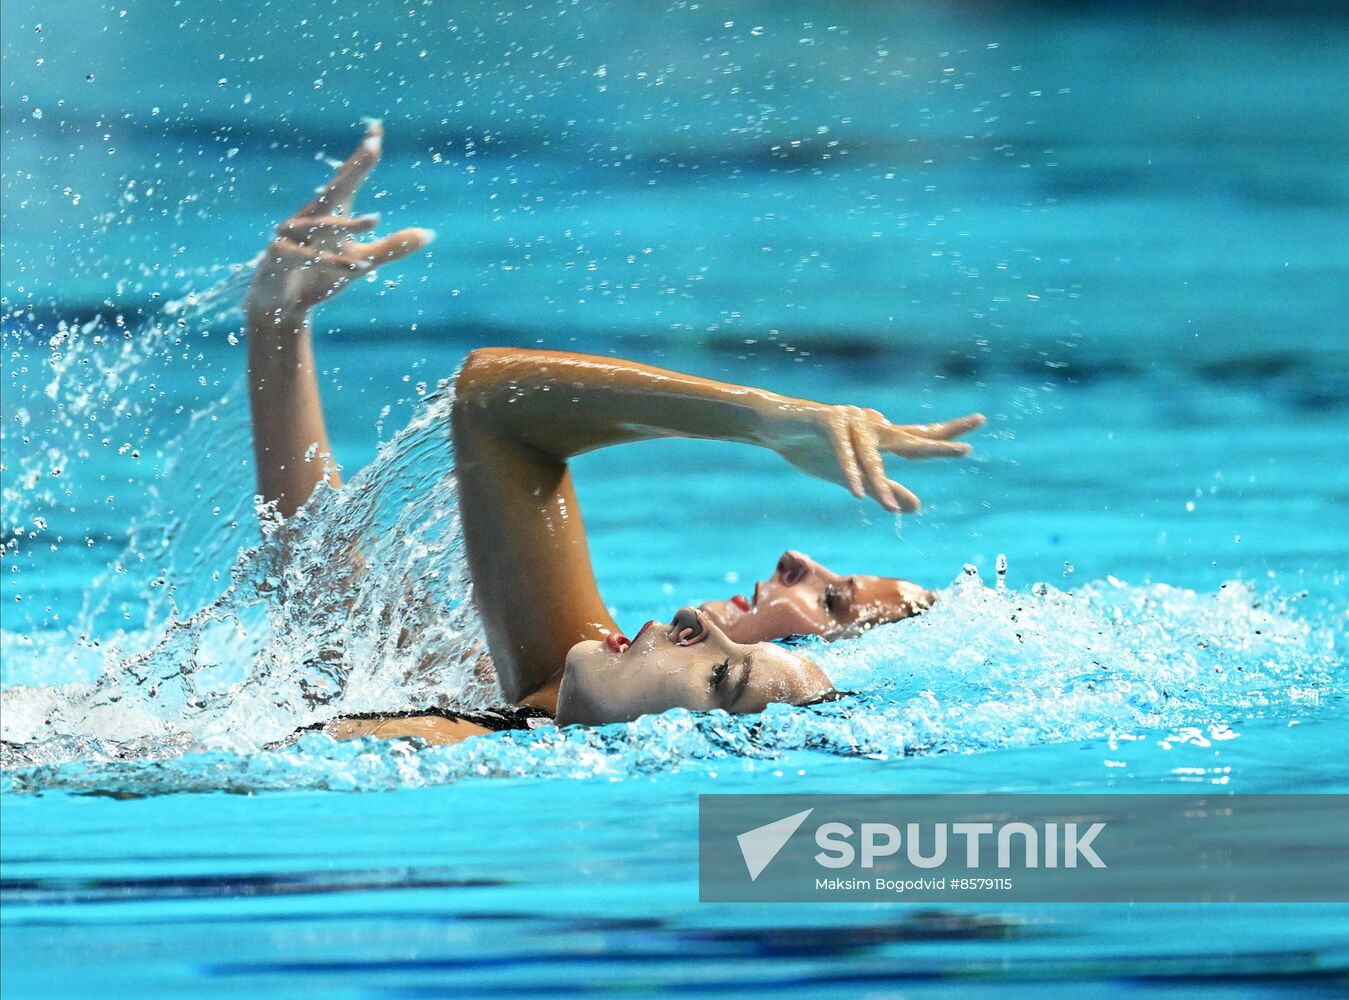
(901, 442)
(337, 196)
(309, 228)
(308, 256)
(844, 453)
(893, 496)
(861, 437)
(866, 447)
(396, 246)
(284, 248)
(908, 500)
(296, 242)
(355, 265)
(948, 429)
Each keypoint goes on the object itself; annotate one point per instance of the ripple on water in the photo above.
(986, 668)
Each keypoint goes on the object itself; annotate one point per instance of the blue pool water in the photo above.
(1121, 237)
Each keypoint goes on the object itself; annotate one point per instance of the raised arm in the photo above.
(520, 415)
(313, 256)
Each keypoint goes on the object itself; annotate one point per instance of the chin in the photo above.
(573, 707)
(747, 632)
(582, 653)
(716, 610)
(735, 623)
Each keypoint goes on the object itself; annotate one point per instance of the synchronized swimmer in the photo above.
(518, 416)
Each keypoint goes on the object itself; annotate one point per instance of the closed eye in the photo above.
(740, 686)
(836, 601)
(720, 671)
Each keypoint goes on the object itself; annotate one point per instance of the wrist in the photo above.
(779, 418)
(269, 319)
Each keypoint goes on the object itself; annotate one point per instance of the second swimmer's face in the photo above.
(804, 598)
(688, 663)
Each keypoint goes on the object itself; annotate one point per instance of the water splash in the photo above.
(102, 387)
(360, 602)
(986, 668)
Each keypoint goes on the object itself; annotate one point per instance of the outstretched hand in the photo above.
(847, 445)
(315, 253)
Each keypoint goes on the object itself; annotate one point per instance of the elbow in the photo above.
(490, 380)
(478, 373)
(476, 383)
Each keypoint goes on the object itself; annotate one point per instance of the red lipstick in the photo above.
(740, 602)
(642, 631)
(617, 641)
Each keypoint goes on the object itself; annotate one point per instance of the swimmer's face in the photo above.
(804, 598)
(688, 663)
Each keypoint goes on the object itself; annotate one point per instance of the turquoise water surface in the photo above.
(1119, 236)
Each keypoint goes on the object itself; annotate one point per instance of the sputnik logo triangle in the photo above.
(761, 845)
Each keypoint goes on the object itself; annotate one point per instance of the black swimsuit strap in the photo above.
(496, 719)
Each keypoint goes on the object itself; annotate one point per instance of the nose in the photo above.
(792, 568)
(688, 627)
(691, 626)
